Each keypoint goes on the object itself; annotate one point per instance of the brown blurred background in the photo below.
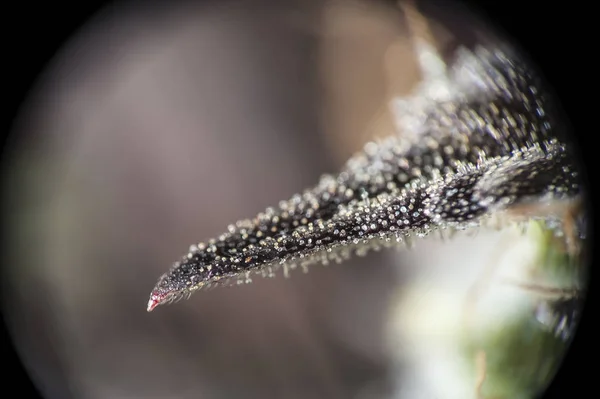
(154, 129)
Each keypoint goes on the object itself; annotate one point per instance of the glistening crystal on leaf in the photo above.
(493, 145)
